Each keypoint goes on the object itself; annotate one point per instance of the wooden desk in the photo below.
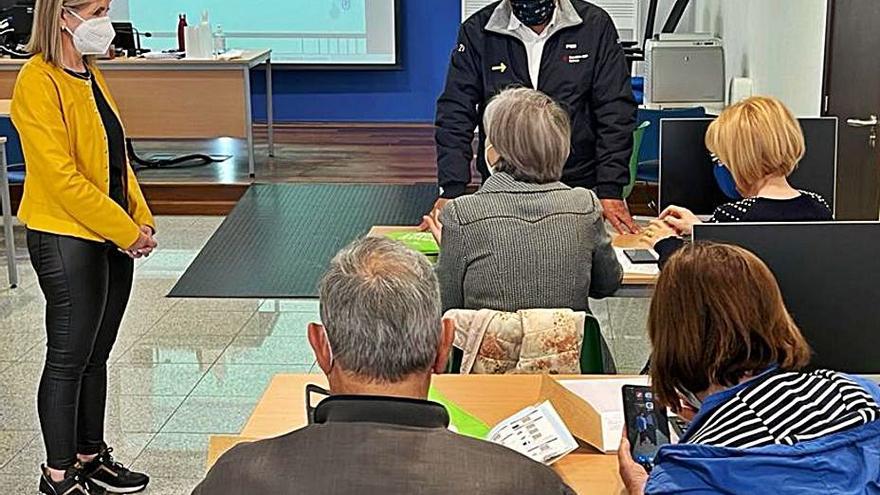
(634, 284)
(180, 99)
(488, 397)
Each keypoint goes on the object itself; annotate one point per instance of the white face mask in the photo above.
(92, 36)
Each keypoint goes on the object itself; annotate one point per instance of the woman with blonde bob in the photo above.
(757, 144)
(525, 240)
(86, 220)
(726, 353)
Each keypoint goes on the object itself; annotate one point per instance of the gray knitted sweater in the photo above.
(514, 245)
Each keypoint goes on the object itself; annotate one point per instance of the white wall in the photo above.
(780, 44)
(663, 8)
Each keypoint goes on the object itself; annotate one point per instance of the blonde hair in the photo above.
(757, 138)
(531, 134)
(47, 30)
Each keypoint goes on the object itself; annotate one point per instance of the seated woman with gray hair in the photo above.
(525, 240)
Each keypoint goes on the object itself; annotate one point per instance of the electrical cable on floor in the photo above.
(179, 162)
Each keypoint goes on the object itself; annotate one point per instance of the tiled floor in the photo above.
(183, 370)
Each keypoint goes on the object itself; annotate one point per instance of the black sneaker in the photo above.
(74, 483)
(106, 473)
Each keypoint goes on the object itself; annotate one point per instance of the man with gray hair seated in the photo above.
(381, 341)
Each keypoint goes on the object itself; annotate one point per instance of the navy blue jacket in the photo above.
(583, 68)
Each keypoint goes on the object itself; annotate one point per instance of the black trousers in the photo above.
(87, 285)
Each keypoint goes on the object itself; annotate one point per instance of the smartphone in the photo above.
(640, 256)
(647, 425)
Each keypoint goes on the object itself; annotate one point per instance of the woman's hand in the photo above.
(634, 475)
(434, 213)
(656, 232)
(433, 224)
(144, 245)
(680, 219)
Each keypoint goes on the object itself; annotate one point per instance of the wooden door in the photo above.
(852, 92)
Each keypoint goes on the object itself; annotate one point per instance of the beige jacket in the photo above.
(528, 341)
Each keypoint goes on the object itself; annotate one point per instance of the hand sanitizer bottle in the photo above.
(219, 41)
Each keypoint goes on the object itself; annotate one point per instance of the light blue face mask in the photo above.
(725, 180)
(690, 398)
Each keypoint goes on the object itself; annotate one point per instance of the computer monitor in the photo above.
(827, 273)
(125, 39)
(686, 169)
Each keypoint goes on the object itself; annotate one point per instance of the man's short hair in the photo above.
(380, 304)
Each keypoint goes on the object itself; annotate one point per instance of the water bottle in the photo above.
(219, 41)
(181, 33)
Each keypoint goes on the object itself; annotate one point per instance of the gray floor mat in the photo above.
(278, 240)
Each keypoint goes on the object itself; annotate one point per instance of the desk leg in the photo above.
(249, 124)
(270, 114)
(6, 203)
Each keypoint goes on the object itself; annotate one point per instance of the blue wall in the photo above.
(427, 36)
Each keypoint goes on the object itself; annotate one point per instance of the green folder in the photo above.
(465, 423)
(422, 242)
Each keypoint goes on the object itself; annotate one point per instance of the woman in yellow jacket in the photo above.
(86, 219)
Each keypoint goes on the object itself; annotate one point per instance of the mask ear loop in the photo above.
(330, 350)
(490, 152)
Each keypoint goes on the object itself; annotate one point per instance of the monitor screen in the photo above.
(302, 32)
(821, 269)
(686, 168)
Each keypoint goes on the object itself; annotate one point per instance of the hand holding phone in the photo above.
(647, 425)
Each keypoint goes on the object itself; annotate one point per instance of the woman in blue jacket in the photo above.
(727, 353)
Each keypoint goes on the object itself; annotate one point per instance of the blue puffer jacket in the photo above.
(842, 463)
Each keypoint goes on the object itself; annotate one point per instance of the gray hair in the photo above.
(380, 304)
(530, 132)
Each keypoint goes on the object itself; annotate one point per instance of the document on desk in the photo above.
(630, 267)
(536, 432)
(605, 396)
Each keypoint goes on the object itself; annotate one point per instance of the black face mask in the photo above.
(533, 12)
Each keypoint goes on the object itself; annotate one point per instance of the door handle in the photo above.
(870, 122)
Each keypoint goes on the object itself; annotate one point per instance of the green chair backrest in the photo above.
(591, 351)
(638, 134)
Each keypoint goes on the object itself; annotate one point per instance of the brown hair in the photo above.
(47, 28)
(716, 316)
(530, 132)
(757, 138)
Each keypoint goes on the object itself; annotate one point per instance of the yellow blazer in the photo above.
(66, 189)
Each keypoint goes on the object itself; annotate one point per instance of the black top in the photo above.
(808, 207)
(583, 68)
(115, 141)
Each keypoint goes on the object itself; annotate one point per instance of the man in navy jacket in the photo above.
(570, 50)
